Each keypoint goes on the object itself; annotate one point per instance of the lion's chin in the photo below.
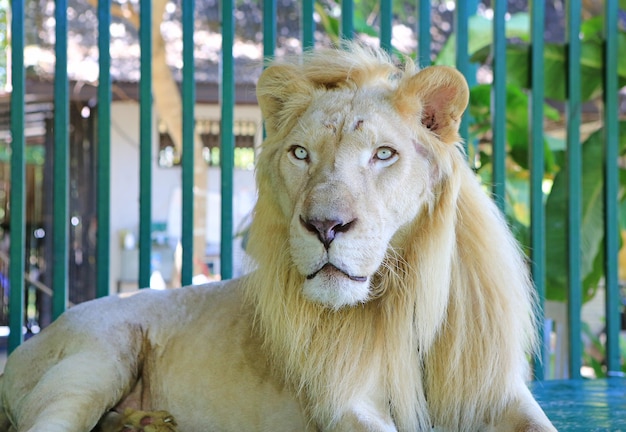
(334, 289)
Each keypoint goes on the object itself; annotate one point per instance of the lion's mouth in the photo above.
(328, 267)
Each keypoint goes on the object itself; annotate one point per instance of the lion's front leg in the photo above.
(138, 421)
(524, 415)
(355, 422)
(70, 397)
(364, 416)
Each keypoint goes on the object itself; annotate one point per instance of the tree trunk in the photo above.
(168, 105)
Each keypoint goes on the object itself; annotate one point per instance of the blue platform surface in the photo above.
(583, 405)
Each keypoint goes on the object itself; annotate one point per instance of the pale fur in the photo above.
(453, 318)
(439, 339)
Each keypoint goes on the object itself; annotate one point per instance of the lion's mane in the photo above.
(451, 320)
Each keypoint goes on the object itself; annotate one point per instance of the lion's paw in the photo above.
(141, 421)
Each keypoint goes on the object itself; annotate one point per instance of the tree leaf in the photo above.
(592, 232)
(555, 55)
(329, 23)
(481, 36)
(517, 126)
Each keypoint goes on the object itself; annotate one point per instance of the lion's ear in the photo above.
(438, 95)
(283, 94)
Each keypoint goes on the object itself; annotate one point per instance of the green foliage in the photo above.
(555, 58)
(555, 55)
(592, 357)
(592, 234)
(517, 127)
(4, 40)
(481, 37)
(330, 19)
(34, 154)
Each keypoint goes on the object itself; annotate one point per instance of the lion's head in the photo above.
(350, 160)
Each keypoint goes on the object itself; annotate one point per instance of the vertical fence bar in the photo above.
(574, 170)
(386, 23)
(611, 188)
(498, 103)
(18, 178)
(60, 234)
(227, 153)
(462, 59)
(269, 28)
(423, 32)
(347, 19)
(462, 36)
(188, 136)
(104, 149)
(145, 143)
(536, 156)
(308, 24)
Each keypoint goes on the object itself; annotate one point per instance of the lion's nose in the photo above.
(326, 229)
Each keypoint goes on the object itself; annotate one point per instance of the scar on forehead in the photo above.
(331, 122)
(358, 124)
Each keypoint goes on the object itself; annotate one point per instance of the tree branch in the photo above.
(126, 12)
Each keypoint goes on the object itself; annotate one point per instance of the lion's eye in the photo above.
(384, 153)
(299, 153)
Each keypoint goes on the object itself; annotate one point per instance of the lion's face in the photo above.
(350, 174)
(350, 185)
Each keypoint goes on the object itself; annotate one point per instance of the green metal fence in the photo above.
(462, 12)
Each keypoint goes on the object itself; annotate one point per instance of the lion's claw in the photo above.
(140, 421)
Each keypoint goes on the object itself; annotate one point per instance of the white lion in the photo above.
(388, 294)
